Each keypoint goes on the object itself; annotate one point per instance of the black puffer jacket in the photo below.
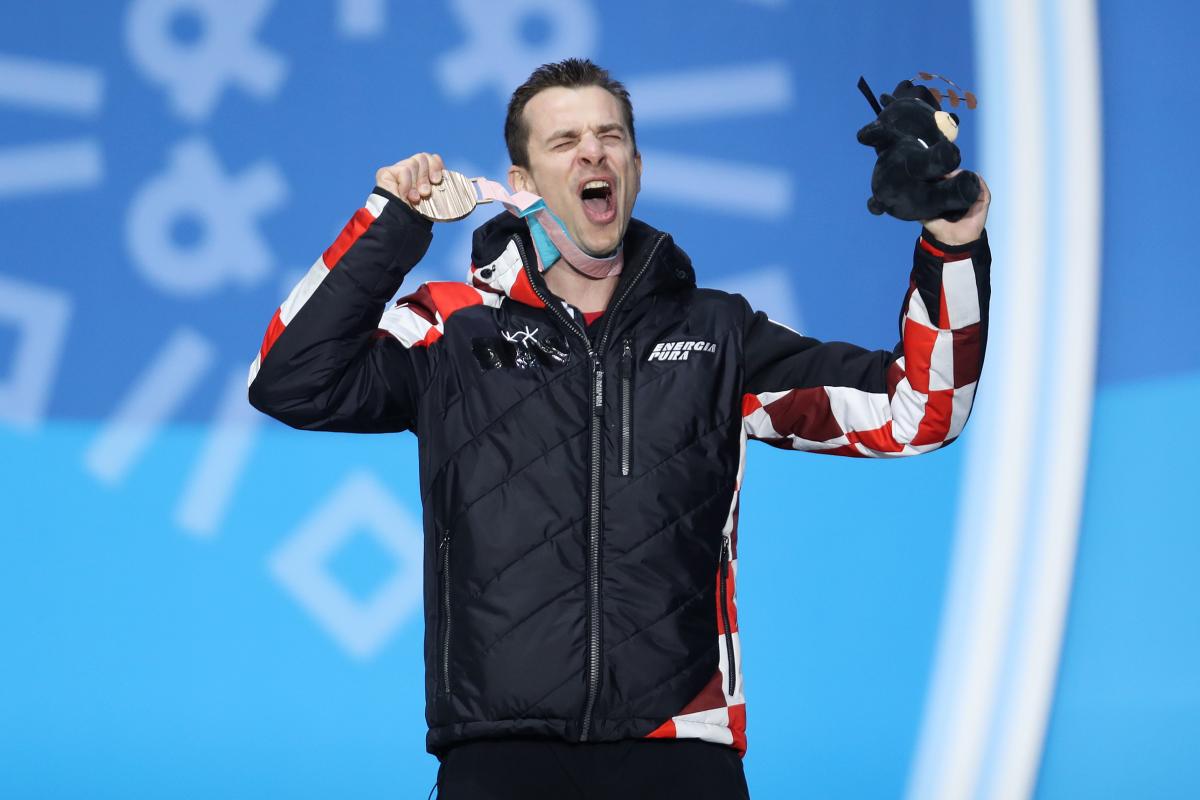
(580, 483)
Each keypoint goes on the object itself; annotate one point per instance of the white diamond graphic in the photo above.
(41, 317)
(300, 564)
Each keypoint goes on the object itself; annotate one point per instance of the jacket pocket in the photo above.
(724, 590)
(626, 373)
(444, 613)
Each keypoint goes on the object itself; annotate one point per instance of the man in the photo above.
(581, 414)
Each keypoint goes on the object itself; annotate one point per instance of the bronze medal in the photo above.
(452, 199)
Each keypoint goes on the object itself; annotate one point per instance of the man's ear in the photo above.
(637, 160)
(519, 180)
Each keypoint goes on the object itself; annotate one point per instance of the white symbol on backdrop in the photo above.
(142, 415)
(721, 185)
(40, 316)
(194, 188)
(711, 93)
(361, 19)
(500, 53)
(221, 464)
(767, 289)
(156, 394)
(50, 87)
(756, 191)
(223, 50)
(300, 564)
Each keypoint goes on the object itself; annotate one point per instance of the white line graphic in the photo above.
(157, 392)
(726, 186)
(1068, 389)
(221, 464)
(64, 166)
(50, 86)
(985, 569)
(992, 686)
(712, 93)
(361, 19)
(41, 316)
(768, 289)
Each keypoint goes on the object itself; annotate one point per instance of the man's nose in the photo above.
(590, 149)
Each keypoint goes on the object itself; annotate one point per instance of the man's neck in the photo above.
(581, 291)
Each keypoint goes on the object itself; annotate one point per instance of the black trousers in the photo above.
(633, 769)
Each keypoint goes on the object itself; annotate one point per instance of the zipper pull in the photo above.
(627, 360)
(725, 555)
(598, 388)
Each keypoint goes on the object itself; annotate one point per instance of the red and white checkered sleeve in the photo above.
(332, 357)
(837, 398)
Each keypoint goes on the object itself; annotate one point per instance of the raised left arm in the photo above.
(838, 398)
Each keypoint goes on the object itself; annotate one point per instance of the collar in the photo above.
(497, 265)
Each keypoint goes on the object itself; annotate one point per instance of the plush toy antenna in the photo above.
(867, 93)
(967, 97)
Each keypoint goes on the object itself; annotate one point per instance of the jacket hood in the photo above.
(497, 264)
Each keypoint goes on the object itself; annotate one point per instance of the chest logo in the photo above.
(521, 350)
(680, 351)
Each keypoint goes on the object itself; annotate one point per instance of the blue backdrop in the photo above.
(200, 602)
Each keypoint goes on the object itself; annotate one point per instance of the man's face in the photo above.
(581, 161)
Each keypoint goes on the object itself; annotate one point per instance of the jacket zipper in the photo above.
(595, 355)
(444, 553)
(626, 408)
(725, 614)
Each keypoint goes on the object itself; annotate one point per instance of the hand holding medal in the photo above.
(436, 193)
(421, 178)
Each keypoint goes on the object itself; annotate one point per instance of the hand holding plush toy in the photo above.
(969, 227)
(914, 140)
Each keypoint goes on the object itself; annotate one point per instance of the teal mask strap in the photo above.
(548, 254)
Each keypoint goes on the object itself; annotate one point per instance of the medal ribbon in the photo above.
(550, 237)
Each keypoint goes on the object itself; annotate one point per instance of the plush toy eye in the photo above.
(947, 124)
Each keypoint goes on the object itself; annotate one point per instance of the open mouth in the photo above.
(599, 205)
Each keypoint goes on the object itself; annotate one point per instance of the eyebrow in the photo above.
(573, 133)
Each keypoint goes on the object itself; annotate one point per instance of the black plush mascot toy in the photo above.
(914, 140)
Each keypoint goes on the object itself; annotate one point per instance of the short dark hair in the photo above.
(570, 73)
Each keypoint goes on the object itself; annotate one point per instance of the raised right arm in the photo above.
(325, 362)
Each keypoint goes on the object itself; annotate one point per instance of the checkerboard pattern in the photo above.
(930, 384)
